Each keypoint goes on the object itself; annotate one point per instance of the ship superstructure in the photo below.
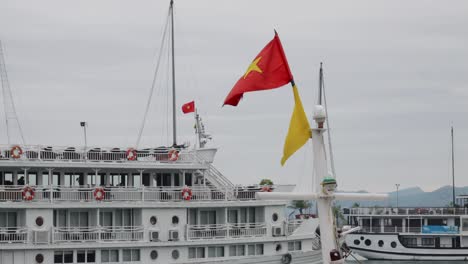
(104, 205)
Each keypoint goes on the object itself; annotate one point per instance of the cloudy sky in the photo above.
(396, 75)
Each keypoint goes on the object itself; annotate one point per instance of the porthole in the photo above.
(381, 243)
(393, 244)
(39, 258)
(153, 220)
(362, 238)
(175, 220)
(175, 254)
(154, 254)
(278, 247)
(39, 221)
(367, 242)
(274, 217)
(357, 242)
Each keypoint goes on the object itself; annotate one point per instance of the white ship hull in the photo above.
(386, 252)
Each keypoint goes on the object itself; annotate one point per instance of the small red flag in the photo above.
(188, 107)
(268, 70)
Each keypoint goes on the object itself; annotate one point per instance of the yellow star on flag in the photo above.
(253, 67)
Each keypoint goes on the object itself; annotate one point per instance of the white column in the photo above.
(39, 177)
(130, 179)
(15, 177)
(62, 178)
(107, 179)
(153, 179)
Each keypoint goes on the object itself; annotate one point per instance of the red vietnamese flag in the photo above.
(188, 107)
(268, 70)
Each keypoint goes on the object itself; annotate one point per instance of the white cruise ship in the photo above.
(138, 205)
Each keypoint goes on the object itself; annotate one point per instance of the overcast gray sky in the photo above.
(396, 75)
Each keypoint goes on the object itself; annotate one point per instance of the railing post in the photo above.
(142, 193)
(53, 235)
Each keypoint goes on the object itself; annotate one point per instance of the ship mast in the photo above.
(174, 125)
(453, 169)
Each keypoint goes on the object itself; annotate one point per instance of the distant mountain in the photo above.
(414, 197)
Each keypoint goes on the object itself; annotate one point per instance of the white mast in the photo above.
(10, 111)
(324, 191)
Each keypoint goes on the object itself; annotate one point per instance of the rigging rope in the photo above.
(332, 162)
(153, 85)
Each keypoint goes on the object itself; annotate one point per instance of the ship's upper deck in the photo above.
(405, 211)
(36, 156)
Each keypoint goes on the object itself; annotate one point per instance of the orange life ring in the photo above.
(266, 188)
(131, 154)
(173, 155)
(99, 193)
(28, 193)
(16, 152)
(187, 193)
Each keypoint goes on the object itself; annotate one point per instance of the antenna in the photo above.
(10, 112)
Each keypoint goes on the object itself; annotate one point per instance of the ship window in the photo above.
(393, 244)
(367, 242)
(251, 250)
(216, 252)
(110, 255)
(39, 221)
(8, 219)
(39, 258)
(427, 241)
(153, 220)
(175, 254)
(154, 254)
(274, 217)
(362, 238)
(237, 250)
(294, 245)
(357, 242)
(259, 249)
(278, 247)
(465, 224)
(63, 257)
(86, 256)
(255, 249)
(175, 220)
(131, 255)
(196, 252)
(381, 243)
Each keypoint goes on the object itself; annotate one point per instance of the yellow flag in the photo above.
(299, 129)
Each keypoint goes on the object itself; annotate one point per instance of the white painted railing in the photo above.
(292, 225)
(406, 211)
(86, 194)
(13, 235)
(104, 233)
(91, 154)
(225, 230)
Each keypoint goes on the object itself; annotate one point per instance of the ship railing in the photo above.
(292, 225)
(406, 211)
(13, 235)
(98, 233)
(93, 154)
(14, 193)
(388, 229)
(232, 230)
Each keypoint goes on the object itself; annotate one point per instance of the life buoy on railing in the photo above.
(28, 193)
(16, 152)
(99, 193)
(286, 259)
(131, 154)
(187, 193)
(266, 188)
(173, 155)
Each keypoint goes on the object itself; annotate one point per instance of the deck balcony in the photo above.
(97, 233)
(55, 194)
(362, 211)
(38, 153)
(223, 231)
(13, 235)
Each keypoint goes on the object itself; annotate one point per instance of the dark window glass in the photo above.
(153, 220)
(58, 257)
(39, 258)
(175, 254)
(166, 180)
(176, 179)
(274, 217)
(367, 242)
(81, 257)
(154, 254)
(393, 244)
(188, 179)
(175, 220)
(357, 242)
(91, 257)
(68, 257)
(381, 243)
